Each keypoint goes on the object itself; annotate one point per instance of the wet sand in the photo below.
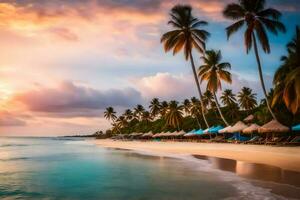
(274, 168)
(287, 158)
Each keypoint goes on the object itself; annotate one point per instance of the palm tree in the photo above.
(228, 98)
(257, 19)
(214, 72)
(195, 109)
(186, 35)
(174, 114)
(121, 121)
(208, 99)
(128, 114)
(163, 108)
(154, 107)
(247, 99)
(110, 114)
(146, 117)
(187, 106)
(138, 111)
(287, 77)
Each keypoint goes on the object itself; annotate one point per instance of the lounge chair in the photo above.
(261, 140)
(294, 141)
(275, 141)
(252, 140)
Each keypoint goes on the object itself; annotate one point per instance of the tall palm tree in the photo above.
(186, 35)
(213, 71)
(247, 99)
(155, 107)
(128, 114)
(138, 111)
(174, 114)
(228, 98)
(287, 77)
(258, 20)
(110, 114)
(187, 106)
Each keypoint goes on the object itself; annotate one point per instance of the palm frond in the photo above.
(234, 11)
(234, 28)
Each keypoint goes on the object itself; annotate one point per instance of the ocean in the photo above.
(73, 168)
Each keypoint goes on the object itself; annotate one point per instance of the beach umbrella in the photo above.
(224, 130)
(181, 133)
(190, 133)
(251, 129)
(215, 130)
(238, 127)
(206, 130)
(249, 118)
(273, 127)
(199, 132)
(296, 128)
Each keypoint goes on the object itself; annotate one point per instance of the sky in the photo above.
(62, 62)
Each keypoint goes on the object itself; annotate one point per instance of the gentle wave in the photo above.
(14, 159)
(14, 145)
(79, 142)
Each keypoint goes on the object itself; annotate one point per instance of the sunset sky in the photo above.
(62, 62)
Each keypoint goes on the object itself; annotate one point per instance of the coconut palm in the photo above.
(146, 117)
(195, 109)
(186, 35)
(110, 114)
(228, 98)
(163, 108)
(187, 106)
(208, 100)
(258, 20)
(174, 114)
(213, 72)
(247, 99)
(138, 111)
(121, 121)
(128, 114)
(287, 77)
(155, 107)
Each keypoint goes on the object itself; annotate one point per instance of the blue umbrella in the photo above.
(296, 128)
(199, 132)
(215, 130)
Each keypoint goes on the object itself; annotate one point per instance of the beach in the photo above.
(287, 158)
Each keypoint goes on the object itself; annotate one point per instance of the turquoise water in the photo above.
(49, 168)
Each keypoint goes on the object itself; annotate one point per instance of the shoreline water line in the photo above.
(242, 175)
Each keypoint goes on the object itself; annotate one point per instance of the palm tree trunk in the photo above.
(261, 76)
(198, 122)
(218, 107)
(198, 88)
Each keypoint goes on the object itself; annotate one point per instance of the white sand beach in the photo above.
(284, 157)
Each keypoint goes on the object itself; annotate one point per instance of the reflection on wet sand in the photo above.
(260, 172)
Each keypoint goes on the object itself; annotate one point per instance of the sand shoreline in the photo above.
(287, 158)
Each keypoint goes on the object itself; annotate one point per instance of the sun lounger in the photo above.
(294, 141)
(252, 140)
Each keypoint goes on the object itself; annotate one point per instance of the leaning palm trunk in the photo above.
(220, 112)
(198, 88)
(261, 76)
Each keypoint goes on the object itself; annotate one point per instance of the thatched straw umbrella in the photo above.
(248, 119)
(251, 129)
(224, 130)
(273, 127)
(237, 128)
